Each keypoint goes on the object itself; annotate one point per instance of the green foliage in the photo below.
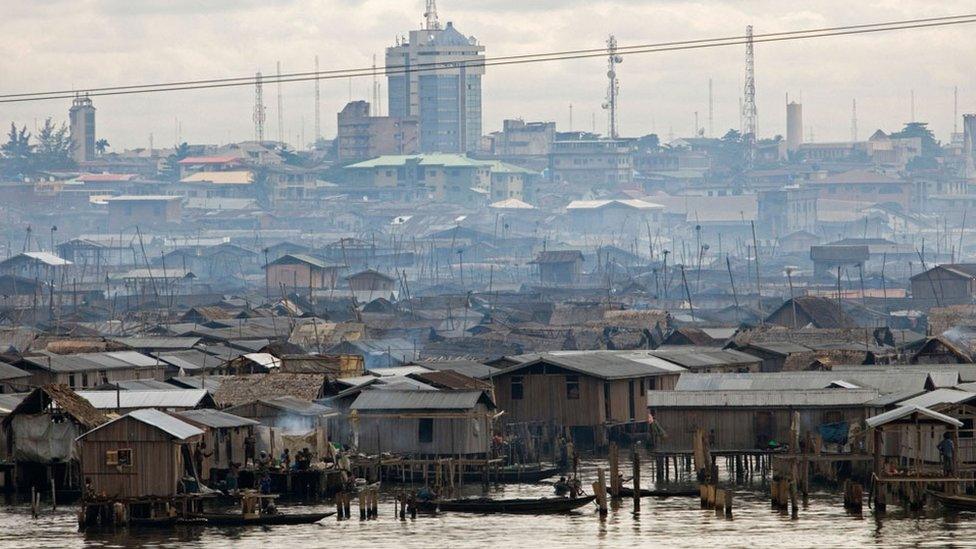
(101, 146)
(22, 157)
(171, 170)
(930, 147)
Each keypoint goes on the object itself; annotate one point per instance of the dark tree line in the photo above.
(24, 155)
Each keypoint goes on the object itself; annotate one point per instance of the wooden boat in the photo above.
(165, 522)
(536, 506)
(238, 519)
(627, 492)
(513, 474)
(955, 502)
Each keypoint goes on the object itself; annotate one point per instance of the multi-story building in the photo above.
(362, 136)
(522, 142)
(82, 116)
(597, 162)
(787, 210)
(435, 76)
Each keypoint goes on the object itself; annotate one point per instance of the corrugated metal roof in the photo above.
(91, 361)
(416, 400)
(702, 358)
(180, 398)
(294, 405)
(10, 372)
(938, 396)
(884, 382)
(216, 419)
(264, 359)
(906, 411)
(602, 364)
(178, 429)
(159, 343)
(719, 399)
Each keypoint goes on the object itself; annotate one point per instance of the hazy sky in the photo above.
(57, 44)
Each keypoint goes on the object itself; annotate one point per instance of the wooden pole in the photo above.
(635, 463)
(34, 501)
(600, 489)
(54, 496)
(614, 470)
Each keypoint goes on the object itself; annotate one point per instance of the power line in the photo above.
(502, 60)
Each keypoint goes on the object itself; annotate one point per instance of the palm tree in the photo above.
(101, 146)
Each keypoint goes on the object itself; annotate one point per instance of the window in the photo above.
(111, 457)
(518, 387)
(425, 429)
(84, 380)
(966, 431)
(125, 457)
(103, 375)
(572, 388)
(71, 381)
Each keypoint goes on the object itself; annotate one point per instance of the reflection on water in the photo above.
(676, 522)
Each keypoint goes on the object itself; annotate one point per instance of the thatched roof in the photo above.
(242, 389)
(62, 398)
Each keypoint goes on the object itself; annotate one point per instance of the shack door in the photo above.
(765, 427)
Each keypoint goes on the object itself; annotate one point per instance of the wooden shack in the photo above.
(288, 422)
(370, 281)
(140, 455)
(40, 434)
(433, 423)
(559, 266)
(748, 420)
(595, 395)
(224, 434)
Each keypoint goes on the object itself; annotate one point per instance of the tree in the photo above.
(732, 136)
(101, 146)
(930, 147)
(171, 170)
(17, 153)
(54, 148)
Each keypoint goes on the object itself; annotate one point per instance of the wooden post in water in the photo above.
(54, 497)
(635, 461)
(614, 470)
(600, 489)
(34, 501)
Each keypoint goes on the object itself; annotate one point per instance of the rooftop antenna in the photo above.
(853, 119)
(376, 93)
(430, 16)
(318, 107)
(259, 112)
(913, 106)
(749, 111)
(955, 111)
(711, 111)
(613, 85)
(281, 124)
(570, 117)
(696, 124)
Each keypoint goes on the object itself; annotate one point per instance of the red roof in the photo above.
(105, 177)
(227, 159)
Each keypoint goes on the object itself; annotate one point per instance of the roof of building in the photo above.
(63, 398)
(105, 177)
(291, 259)
(417, 400)
(223, 159)
(629, 203)
(144, 198)
(450, 380)
(886, 382)
(910, 411)
(158, 343)
(471, 368)
(796, 398)
(856, 176)
(704, 357)
(234, 177)
(8, 372)
(291, 405)
(370, 273)
(558, 256)
(822, 312)
(178, 429)
(216, 419)
(235, 390)
(601, 364)
(180, 398)
(90, 361)
(511, 204)
(46, 258)
(937, 397)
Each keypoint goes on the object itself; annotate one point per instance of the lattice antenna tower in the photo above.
(259, 114)
(613, 86)
(430, 16)
(749, 112)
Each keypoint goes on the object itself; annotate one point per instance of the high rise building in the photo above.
(82, 115)
(794, 126)
(969, 143)
(435, 76)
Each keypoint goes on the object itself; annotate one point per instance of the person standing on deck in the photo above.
(947, 452)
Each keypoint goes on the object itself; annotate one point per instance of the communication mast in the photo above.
(259, 112)
(281, 124)
(613, 86)
(430, 16)
(711, 111)
(853, 119)
(749, 111)
(318, 110)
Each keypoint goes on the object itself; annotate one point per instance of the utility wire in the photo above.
(499, 61)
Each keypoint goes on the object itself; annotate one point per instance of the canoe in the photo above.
(626, 492)
(514, 506)
(955, 502)
(513, 474)
(237, 519)
(165, 522)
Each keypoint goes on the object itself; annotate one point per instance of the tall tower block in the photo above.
(434, 76)
(82, 121)
(794, 126)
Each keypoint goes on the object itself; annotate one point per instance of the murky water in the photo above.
(675, 522)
